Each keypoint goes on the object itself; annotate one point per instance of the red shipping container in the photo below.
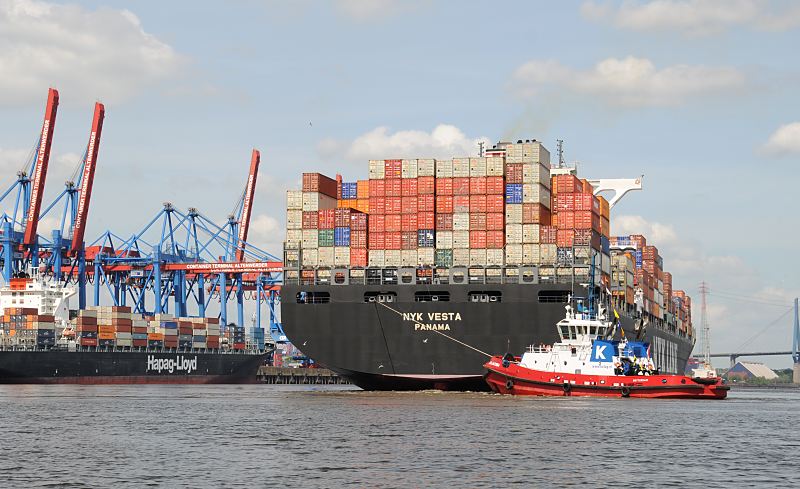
(495, 203)
(88, 341)
(495, 221)
(477, 239)
(393, 168)
(377, 205)
(444, 204)
(408, 222)
(358, 258)
(535, 214)
(513, 172)
(444, 222)
(649, 253)
(409, 205)
(377, 223)
(327, 218)
(426, 220)
(426, 203)
(408, 187)
(565, 202)
(342, 218)
(408, 240)
(566, 220)
(444, 186)
(565, 238)
(495, 186)
(477, 221)
(640, 241)
(317, 182)
(583, 219)
(310, 219)
(392, 241)
(358, 221)
(547, 234)
(124, 328)
(377, 188)
(358, 239)
(426, 185)
(394, 187)
(495, 239)
(392, 223)
(477, 203)
(461, 186)
(477, 185)
(568, 184)
(377, 241)
(461, 203)
(394, 205)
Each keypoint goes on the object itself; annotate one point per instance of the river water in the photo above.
(330, 436)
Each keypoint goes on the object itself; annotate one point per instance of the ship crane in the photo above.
(40, 169)
(87, 180)
(247, 204)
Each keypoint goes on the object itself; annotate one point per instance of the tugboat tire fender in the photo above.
(509, 384)
(626, 391)
(567, 388)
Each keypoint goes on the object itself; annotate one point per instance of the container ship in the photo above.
(41, 344)
(409, 279)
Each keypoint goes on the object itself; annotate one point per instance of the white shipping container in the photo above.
(460, 167)
(408, 258)
(530, 254)
(310, 258)
(294, 238)
(477, 257)
(326, 256)
(376, 258)
(425, 257)
(294, 200)
(514, 159)
(426, 167)
(294, 219)
(514, 233)
(548, 253)
(314, 201)
(513, 213)
(461, 221)
(408, 169)
(530, 233)
(495, 257)
(125, 342)
(461, 257)
(477, 167)
(536, 173)
(391, 258)
(536, 153)
(495, 166)
(444, 168)
(377, 169)
(310, 238)
(341, 256)
(444, 239)
(534, 193)
(513, 254)
(460, 239)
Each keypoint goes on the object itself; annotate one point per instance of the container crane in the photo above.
(247, 204)
(40, 170)
(87, 179)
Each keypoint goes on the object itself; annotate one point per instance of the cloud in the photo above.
(370, 10)
(626, 82)
(785, 140)
(695, 17)
(88, 54)
(266, 233)
(659, 234)
(444, 141)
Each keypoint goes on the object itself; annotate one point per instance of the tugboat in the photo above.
(589, 362)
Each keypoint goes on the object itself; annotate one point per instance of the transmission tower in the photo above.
(704, 290)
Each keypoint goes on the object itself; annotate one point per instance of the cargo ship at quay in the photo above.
(410, 279)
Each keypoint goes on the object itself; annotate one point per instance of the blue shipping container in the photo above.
(638, 255)
(341, 237)
(513, 193)
(169, 324)
(605, 245)
(426, 238)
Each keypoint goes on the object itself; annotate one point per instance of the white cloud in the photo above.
(785, 140)
(87, 54)
(657, 233)
(629, 82)
(266, 233)
(369, 10)
(445, 141)
(695, 17)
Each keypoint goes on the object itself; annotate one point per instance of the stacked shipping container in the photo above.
(22, 326)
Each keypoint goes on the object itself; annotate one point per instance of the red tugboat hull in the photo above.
(511, 378)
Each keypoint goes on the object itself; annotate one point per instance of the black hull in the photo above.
(377, 348)
(137, 367)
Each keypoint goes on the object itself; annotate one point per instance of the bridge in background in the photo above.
(735, 356)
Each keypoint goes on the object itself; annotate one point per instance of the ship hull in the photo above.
(410, 345)
(126, 367)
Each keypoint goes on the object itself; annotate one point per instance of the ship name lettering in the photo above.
(180, 363)
(431, 327)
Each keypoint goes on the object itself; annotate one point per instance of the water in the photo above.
(330, 436)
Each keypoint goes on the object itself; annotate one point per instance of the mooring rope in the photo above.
(439, 332)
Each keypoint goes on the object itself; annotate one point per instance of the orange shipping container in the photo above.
(495, 186)
(444, 186)
(362, 189)
(106, 336)
(426, 185)
(394, 187)
(155, 336)
(377, 188)
(426, 203)
(106, 329)
(461, 186)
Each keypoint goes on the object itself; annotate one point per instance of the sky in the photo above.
(698, 96)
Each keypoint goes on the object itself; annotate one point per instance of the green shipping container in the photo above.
(444, 258)
(325, 237)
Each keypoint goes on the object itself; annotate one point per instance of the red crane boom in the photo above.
(40, 170)
(247, 205)
(88, 178)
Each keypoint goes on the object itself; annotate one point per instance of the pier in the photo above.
(289, 375)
